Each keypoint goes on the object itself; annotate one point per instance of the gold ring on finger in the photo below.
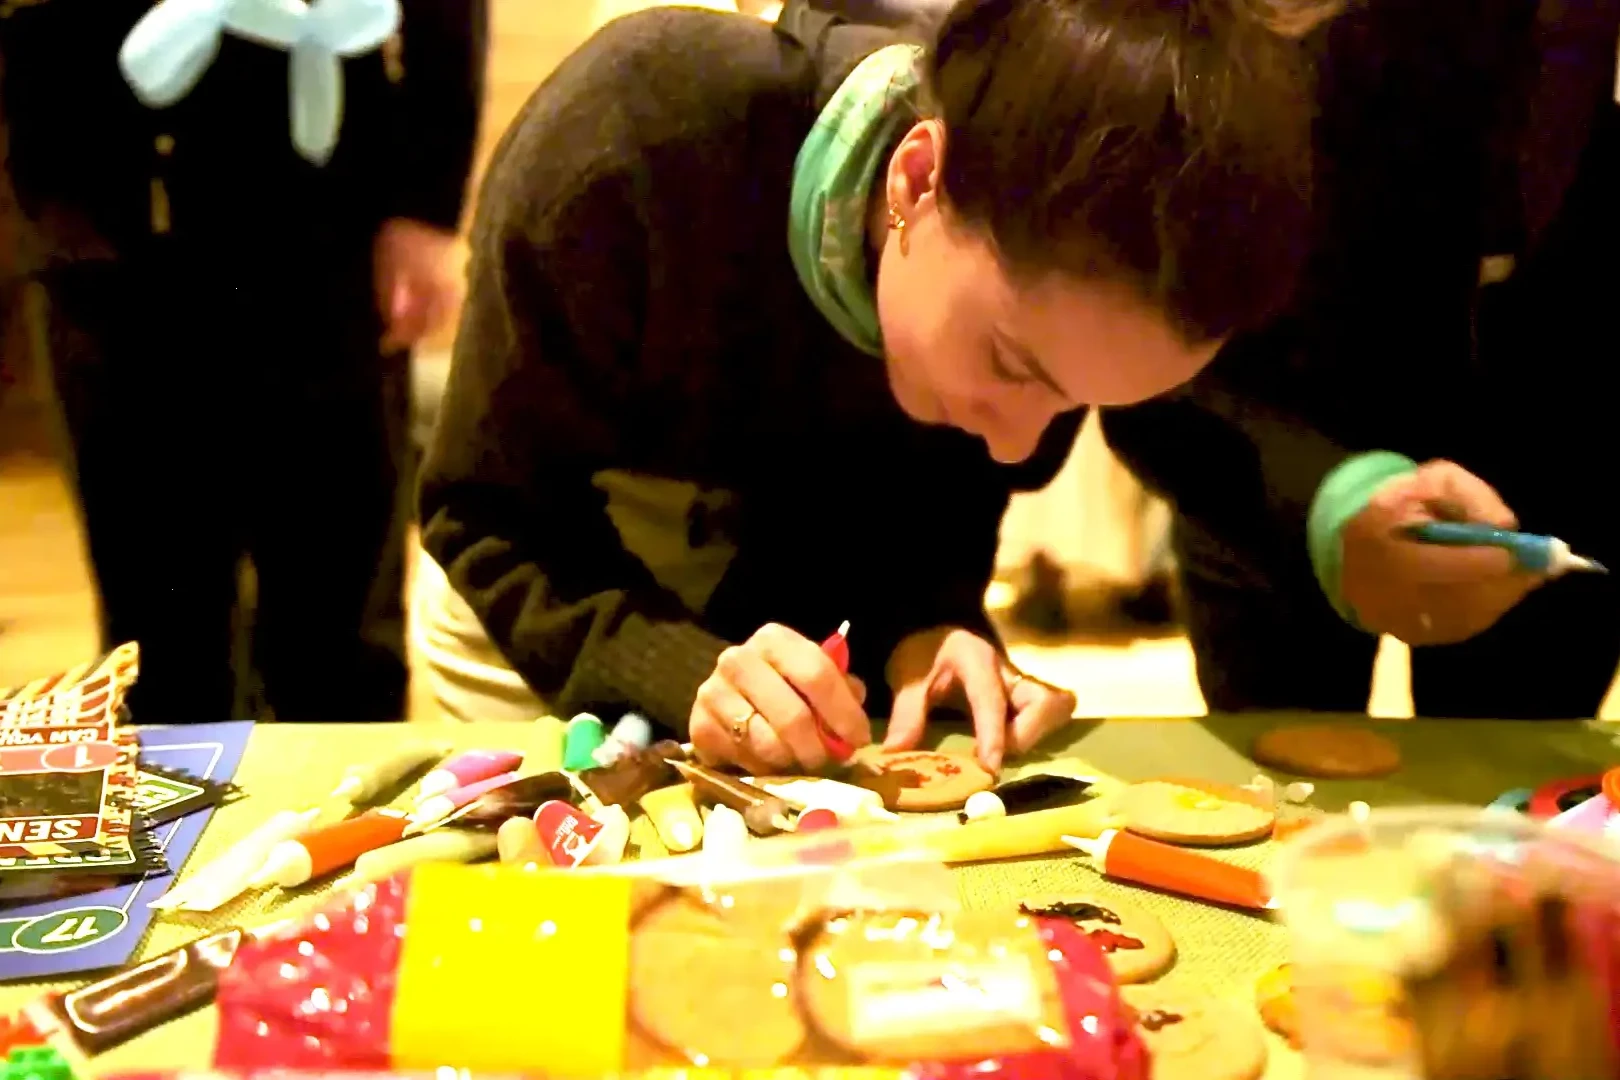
(739, 726)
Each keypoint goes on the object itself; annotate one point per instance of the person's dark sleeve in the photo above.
(932, 551)
(536, 405)
(445, 60)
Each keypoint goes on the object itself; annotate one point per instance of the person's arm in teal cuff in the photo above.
(1344, 493)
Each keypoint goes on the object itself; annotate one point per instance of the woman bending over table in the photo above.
(765, 325)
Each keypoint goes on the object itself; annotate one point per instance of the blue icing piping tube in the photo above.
(1530, 551)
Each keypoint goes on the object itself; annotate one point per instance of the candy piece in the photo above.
(567, 834)
(36, 1063)
(519, 798)
(113, 1010)
(580, 740)
(614, 837)
(518, 842)
(674, 815)
(981, 806)
(1041, 791)
(436, 808)
(366, 781)
(852, 804)
(318, 853)
(17, 1031)
(816, 820)
(444, 845)
(625, 781)
(468, 767)
(725, 833)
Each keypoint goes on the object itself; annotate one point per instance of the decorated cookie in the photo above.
(1189, 1037)
(888, 987)
(921, 779)
(692, 975)
(1333, 751)
(1194, 812)
(1358, 1014)
(1274, 999)
(1137, 945)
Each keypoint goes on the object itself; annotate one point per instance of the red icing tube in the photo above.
(837, 650)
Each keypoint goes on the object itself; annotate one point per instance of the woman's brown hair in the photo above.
(1164, 145)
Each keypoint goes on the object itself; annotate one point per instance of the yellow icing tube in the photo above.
(674, 814)
(1021, 835)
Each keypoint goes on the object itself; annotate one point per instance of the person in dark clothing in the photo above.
(748, 306)
(229, 322)
(1461, 284)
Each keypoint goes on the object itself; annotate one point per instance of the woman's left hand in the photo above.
(949, 665)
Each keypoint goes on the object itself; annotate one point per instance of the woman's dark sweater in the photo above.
(633, 307)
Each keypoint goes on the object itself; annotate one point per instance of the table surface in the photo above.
(1219, 952)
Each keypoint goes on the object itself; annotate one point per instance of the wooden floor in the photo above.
(47, 605)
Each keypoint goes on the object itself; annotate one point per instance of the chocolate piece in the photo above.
(1159, 1019)
(631, 776)
(1073, 910)
(1041, 791)
(520, 798)
(114, 1010)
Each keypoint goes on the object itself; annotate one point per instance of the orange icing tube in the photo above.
(1141, 861)
(316, 853)
(674, 814)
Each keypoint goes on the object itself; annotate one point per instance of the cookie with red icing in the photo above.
(920, 780)
(1135, 943)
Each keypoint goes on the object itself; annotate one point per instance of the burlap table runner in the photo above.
(1220, 952)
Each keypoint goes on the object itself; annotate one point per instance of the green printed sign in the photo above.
(155, 794)
(61, 931)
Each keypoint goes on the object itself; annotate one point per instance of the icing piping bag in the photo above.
(1532, 552)
(468, 767)
(520, 798)
(319, 852)
(1125, 856)
(433, 810)
(364, 782)
(765, 813)
(230, 875)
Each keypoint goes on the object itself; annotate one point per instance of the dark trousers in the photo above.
(1545, 438)
(223, 417)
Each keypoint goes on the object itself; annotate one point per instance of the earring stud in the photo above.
(897, 225)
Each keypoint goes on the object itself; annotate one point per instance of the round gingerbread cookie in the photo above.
(891, 987)
(1189, 1037)
(692, 975)
(1193, 812)
(921, 780)
(1330, 751)
(1135, 943)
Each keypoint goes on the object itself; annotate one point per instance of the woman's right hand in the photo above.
(759, 708)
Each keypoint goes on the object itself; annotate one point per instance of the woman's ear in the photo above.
(914, 169)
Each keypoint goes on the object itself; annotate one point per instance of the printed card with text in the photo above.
(68, 771)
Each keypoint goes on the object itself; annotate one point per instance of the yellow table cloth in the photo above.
(1220, 952)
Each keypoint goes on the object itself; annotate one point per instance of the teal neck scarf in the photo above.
(832, 186)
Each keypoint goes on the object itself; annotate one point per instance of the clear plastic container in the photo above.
(1374, 901)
